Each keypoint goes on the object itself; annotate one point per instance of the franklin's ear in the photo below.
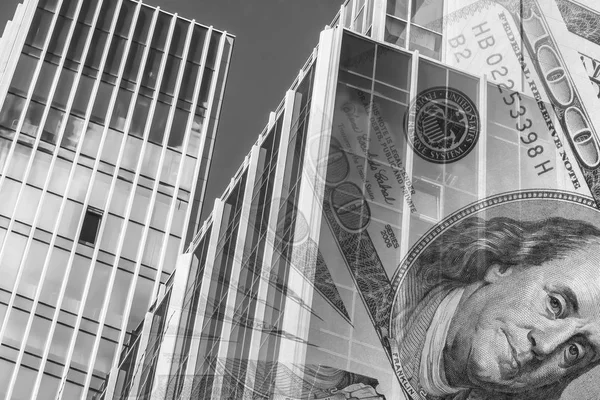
(497, 272)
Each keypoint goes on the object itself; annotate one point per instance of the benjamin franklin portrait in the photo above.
(501, 308)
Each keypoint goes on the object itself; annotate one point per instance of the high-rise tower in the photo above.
(331, 266)
(108, 111)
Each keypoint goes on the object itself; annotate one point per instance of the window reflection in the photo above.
(427, 14)
(11, 111)
(195, 136)
(112, 145)
(428, 43)
(133, 146)
(72, 133)
(205, 88)
(151, 159)
(170, 167)
(53, 124)
(33, 118)
(125, 18)
(395, 31)
(91, 140)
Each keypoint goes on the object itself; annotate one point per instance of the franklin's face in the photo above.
(528, 327)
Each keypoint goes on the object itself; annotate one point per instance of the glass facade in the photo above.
(291, 287)
(104, 156)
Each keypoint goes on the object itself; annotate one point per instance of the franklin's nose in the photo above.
(545, 341)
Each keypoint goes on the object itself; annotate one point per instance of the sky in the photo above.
(273, 40)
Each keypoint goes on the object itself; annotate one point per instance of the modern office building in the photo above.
(406, 113)
(287, 290)
(108, 111)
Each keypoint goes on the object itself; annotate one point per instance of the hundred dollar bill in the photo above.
(460, 216)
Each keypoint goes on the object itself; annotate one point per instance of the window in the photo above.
(91, 222)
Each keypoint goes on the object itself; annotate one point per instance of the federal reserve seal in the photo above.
(446, 125)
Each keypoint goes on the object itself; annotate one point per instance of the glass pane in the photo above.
(143, 23)
(160, 31)
(101, 104)
(9, 264)
(133, 62)
(60, 176)
(59, 35)
(42, 88)
(113, 228)
(112, 145)
(428, 14)
(98, 42)
(11, 111)
(178, 39)
(170, 167)
(428, 43)
(100, 190)
(178, 128)
(70, 219)
(23, 74)
(195, 136)
(188, 173)
(82, 96)
(54, 276)
(125, 18)
(198, 37)
(120, 197)
(132, 240)
(83, 348)
(95, 299)
(39, 28)
(118, 298)
(139, 306)
(73, 132)
(115, 55)
(121, 108)
(33, 117)
(76, 46)
(151, 159)
(213, 47)
(152, 68)
(393, 68)
(60, 343)
(141, 201)
(53, 124)
(28, 203)
(189, 82)
(39, 169)
(140, 116)
(68, 8)
(398, 8)
(63, 89)
(80, 183)
(32, 269)
(91, 140)
(395, 31)
(159, 122)
(49, 212)
(107, 13)
(205, 88)
(170, 75)
(133, 146)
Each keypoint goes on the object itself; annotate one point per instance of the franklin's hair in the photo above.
(465, 251)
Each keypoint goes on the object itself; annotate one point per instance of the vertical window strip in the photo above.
(88, 112)
(37, 212)
(144, 236)
(114, 177)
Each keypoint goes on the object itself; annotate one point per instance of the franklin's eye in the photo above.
(556, 305)
(573, 353)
